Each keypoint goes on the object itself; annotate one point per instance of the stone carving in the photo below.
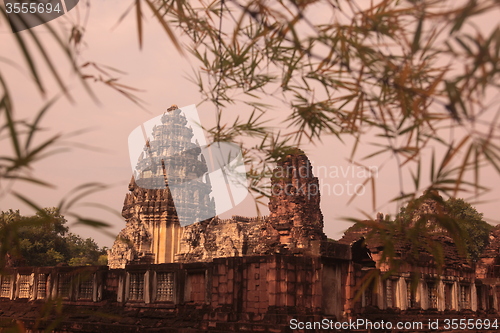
(217, 238)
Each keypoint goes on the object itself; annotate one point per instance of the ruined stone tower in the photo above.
(167, 192)
(295, 204)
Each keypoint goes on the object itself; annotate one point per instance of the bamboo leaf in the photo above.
(34, 126)
(14, 135)
(139, 21)
(415, 46)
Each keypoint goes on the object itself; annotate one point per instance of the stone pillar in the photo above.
(147, 287)
(50, 284)
(351, 289)
(55, 280)
(424, 295)
(401, 298)
(96, 286)
(441, 305)
(122, 281)
(455, 296)
(381, 293)
(495, 297)
(332, 289)
(473, 297)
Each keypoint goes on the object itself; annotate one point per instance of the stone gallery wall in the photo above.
(249, 293)
(225, 295)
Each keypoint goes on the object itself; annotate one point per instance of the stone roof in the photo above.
(404, 248)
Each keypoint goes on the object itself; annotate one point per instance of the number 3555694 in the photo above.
(32, 8)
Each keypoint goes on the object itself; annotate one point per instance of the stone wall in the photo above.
(254, 293)
(250, 293)
(218, 238)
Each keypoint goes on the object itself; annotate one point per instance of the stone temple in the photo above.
(273, 274)
(154, 222)
(157, 213)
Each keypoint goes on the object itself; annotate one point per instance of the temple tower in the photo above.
(295, 204)
(169, 190)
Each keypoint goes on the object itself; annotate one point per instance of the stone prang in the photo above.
(157, 205)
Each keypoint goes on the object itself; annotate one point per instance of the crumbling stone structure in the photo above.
(245, 290)
(257, 274)
(295, 223)
(295, 205)
(416, 279)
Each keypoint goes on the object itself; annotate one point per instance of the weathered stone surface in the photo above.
(295, 204)
(488, 265)
(218, 238)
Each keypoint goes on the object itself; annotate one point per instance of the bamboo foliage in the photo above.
(421, 77)
(410, 71)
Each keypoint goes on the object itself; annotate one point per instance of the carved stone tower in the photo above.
(169, 191)
(295, 204)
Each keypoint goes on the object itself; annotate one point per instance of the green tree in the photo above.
(459, 219)
(472, 224)
(84, 251)
(43, 240)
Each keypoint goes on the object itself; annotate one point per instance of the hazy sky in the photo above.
(160, 72)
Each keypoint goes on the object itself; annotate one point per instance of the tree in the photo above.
(85, 251)
(455, 217)
(43, 240)
(22, 143)
(472, 224)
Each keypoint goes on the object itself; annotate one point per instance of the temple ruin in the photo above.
(155, 232)
(176, 267)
